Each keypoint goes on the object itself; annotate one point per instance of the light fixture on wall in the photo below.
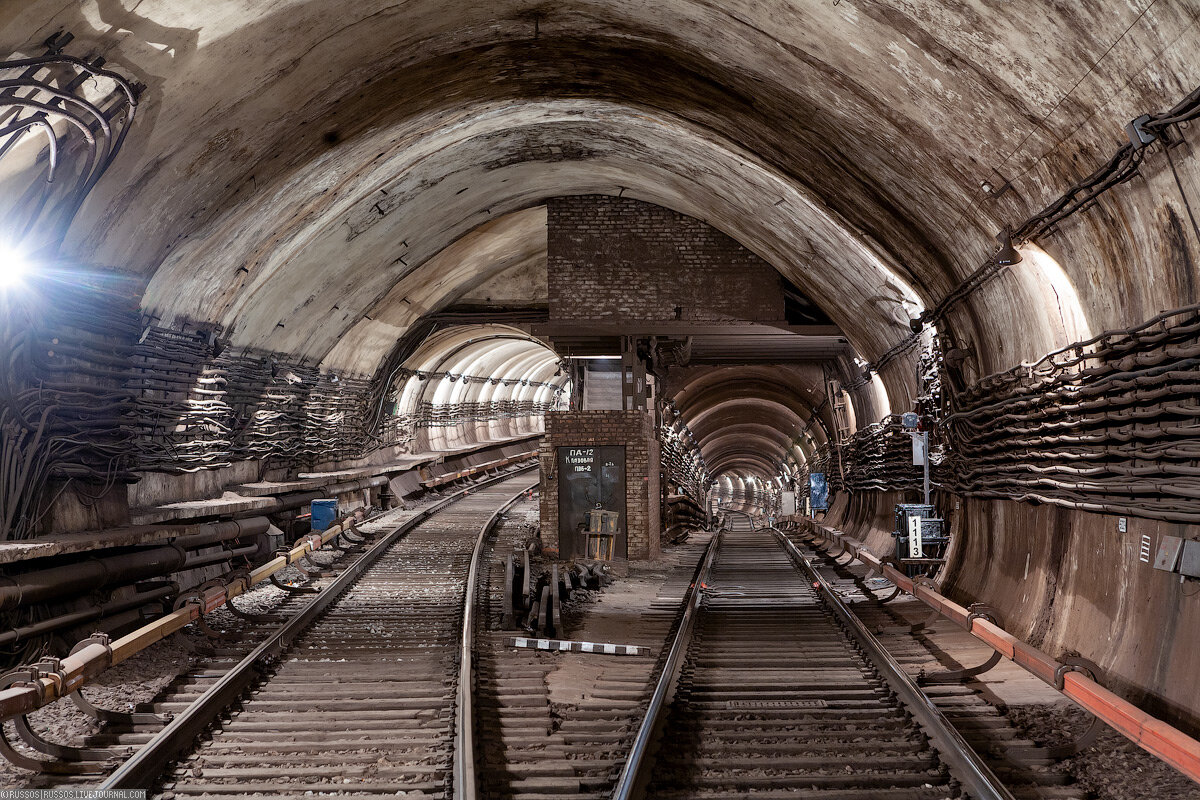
(1007, 255)
(15, 265)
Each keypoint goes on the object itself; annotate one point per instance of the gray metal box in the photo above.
(1190, 563)
(1167, 557)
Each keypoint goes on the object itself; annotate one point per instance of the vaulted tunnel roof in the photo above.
(316, 176)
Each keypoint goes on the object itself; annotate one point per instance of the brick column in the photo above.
(635, 431)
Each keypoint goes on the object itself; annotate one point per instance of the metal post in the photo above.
(925, 449)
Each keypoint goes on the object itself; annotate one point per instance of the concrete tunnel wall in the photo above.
(846, 144)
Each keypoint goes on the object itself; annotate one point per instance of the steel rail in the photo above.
(139, 771)
(465, 782)
(1153, 735)
(965, 763)
(635, 774)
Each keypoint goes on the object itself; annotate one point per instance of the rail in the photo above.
(966, 765)
(466, 783)
(635, 774)
(1150, 733)
(139, 770)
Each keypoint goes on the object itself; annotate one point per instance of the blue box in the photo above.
(818, 490)
(324, 512)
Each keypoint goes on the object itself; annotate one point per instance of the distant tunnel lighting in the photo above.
(14, 265)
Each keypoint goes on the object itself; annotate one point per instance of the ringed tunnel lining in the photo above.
(394, 242)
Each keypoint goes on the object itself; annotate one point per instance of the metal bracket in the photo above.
(77, 757)
(364, 536)
(311, 568)
(870, 592)
(846, 551)
(896, 592)
(195, 598)
(309, 565)
(69, 760)
(981, 611)
(243, 576)
(1071, 663)
(891, 562)
(959, 675)
(1074, 663)
(105, 715)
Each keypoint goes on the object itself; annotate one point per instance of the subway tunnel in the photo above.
(253, 255)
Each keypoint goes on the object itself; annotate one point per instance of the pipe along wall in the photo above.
(57, 587)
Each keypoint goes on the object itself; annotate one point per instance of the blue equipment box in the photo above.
(324, 512)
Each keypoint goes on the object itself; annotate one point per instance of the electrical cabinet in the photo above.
(920, 538)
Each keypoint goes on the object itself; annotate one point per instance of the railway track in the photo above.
(777, 693)
(358, 700)
(771, 688)
(558, 725)
(1032, 773)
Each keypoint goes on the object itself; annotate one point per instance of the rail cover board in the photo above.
(578, 647)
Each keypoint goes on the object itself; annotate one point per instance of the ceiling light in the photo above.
(14, 265)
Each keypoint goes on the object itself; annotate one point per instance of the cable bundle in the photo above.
(1109, 425)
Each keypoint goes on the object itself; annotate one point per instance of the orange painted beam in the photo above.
(1150, 733)
(90, 661)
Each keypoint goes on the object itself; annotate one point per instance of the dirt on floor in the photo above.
(141, 678)
(1114, 768)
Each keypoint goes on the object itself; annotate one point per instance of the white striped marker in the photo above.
(578, 647)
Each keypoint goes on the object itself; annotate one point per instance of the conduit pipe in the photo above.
(88, 614)
(44, 585)
(192, 561)
(98, 654)
(1151, 734)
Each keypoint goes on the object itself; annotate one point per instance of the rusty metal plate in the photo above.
(776, 704)
(1167, 558)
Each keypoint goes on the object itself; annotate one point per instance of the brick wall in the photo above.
(612, 258)
(634, 430)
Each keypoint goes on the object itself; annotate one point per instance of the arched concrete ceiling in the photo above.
(437, 199)
(513, 243)
(295, 160)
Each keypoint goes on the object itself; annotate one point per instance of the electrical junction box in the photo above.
(1167, 557)
(906, 510)
(1139, 137)
(918, 533)
(919, 450)
(818, 491)
(324, 512)
(1189, 563)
